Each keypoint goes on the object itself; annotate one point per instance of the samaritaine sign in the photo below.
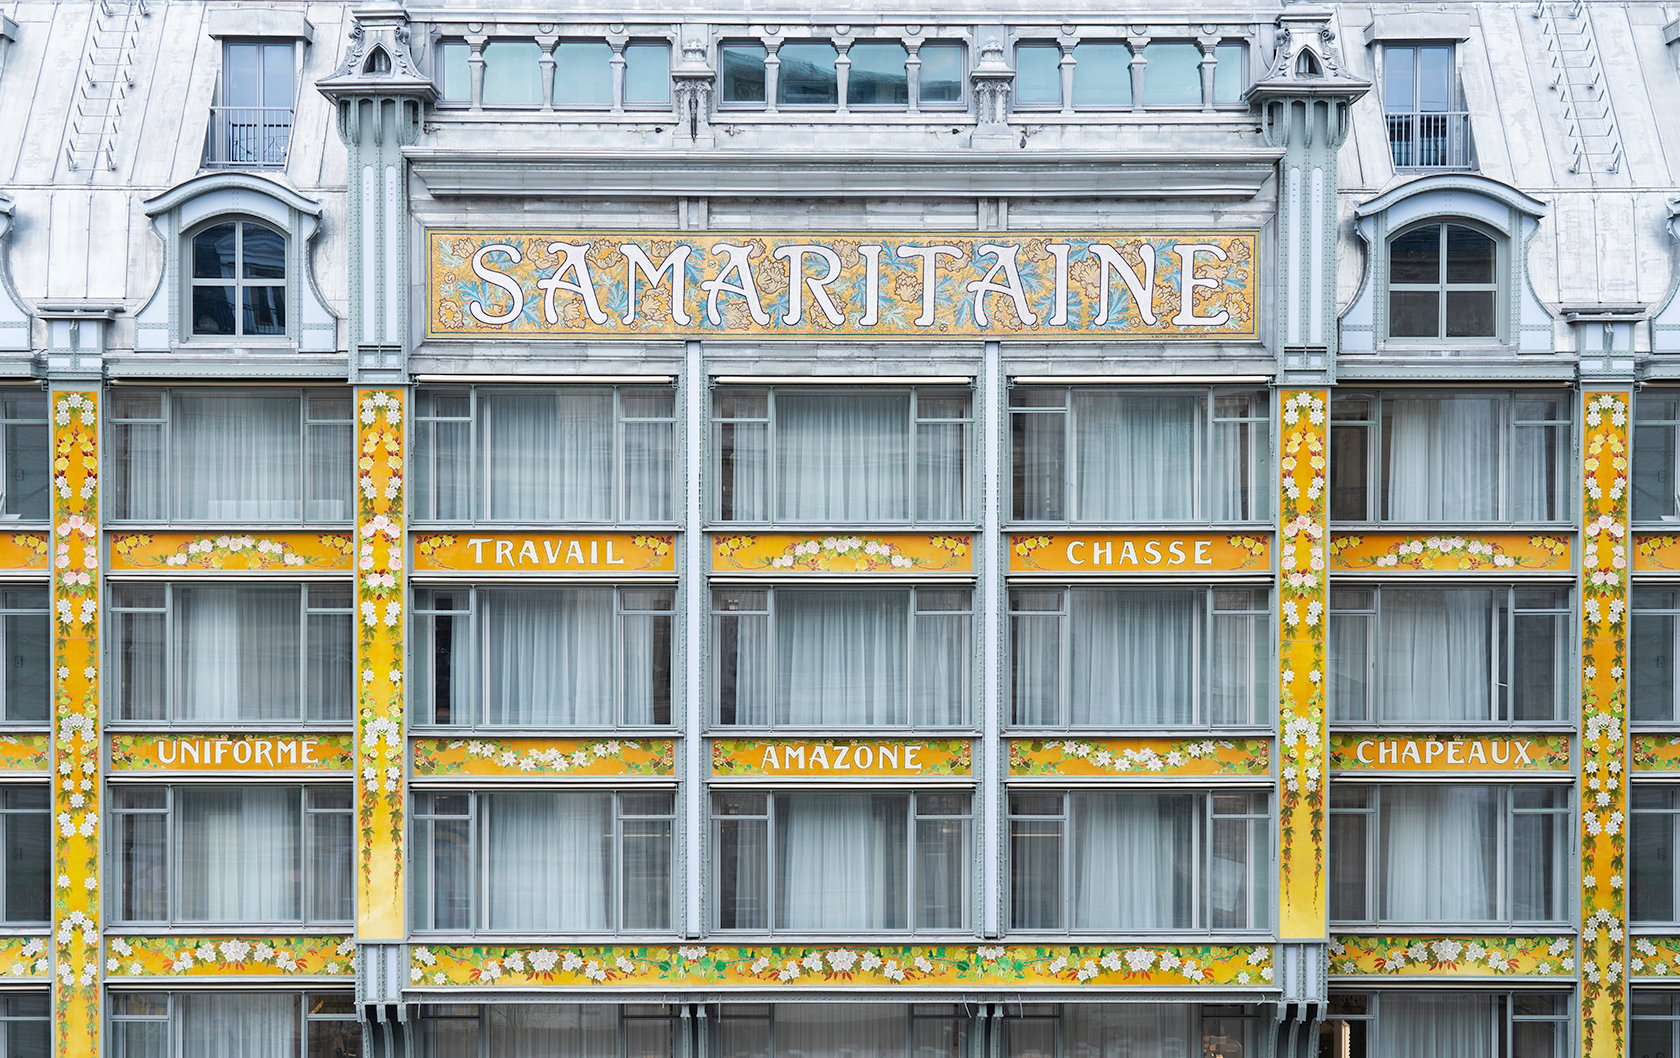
(1111, 286)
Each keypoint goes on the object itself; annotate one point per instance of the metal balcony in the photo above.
(1430, 140)
(248, 137)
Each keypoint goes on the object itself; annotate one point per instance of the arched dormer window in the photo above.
(1443, 282)
(238, 279)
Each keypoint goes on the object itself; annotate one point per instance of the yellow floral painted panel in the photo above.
(545, 553)
(1302, 718)
(233, 753)
(1604, 691)
(1368, 752)
(232, 552)
(843, 758)
(1655, 957)
(845, 553)
(26, 753)
(1498, 955)
(24, 552)
(24, 959)
(1109, 286)
(523, 758)
(1656, 553)
(380, 588)
(840, 966)
(178, 957)
(1152, 553)
(1655, 753)
(1456, 553)
(1140, 758)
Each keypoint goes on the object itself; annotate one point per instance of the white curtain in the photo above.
(550, 861)
(1439, 853)
(1537, 460)
(238, 649)
(1443, 459)
(855, 1030)
(1035, 660)
(1136, 456)
(238, 1025)
(841, 861)
(1132, 660)
(1127, 849)
(551, 658)
(237, 458)
(1434, 652)
(550, 1030)
(239, 858)
(842, 457)
(1130, 1030)
(940, 687)
(1434, 1025)
(549, 454)
(841, 656)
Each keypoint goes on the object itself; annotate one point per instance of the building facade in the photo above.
(975, 532)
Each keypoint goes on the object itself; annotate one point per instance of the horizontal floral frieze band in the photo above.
(838, 966)
(844, 758)
(1096, 554)
(1656, 553)
(1655, 753)
(26, 753)
(569, 758)
(1434, 955)
(843, 553)
(1453, 553)
(223, 956)
(24, 959)
(233, 752)
(1139, 758)
(1655, 957)
(1368, 752)
(545, 553)
(24, 552)
(292, 553)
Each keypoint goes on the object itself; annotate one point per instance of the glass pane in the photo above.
(1538, 655)
(940, 661)
(443, 470)
(25, 481)
(842, 457)
(1039, 443)
(942, 74)
(443, 874)
(143, 863)
(1414, 314)
(1435, 654)
(1399, 85)
(1348, 837)
(512, 74)
(1537, 867)
(1173, 76)
(1132, 657)
(647, 74)
(550, 858)
(877, 77)
(1035, 874)
(142, 659)
(207, 1022)
(1102, 75)
(942, 876)
(742, 73)
(1435, 79)
(332, 889)
(940, 448)
(455, 82)
(28, 857)
(807, 76)
(264, 309)
(743, 874)
(550, 655)
(1415, 256)
(1230, 77)
(1470, 314)
(1652, 851)
(264, 253)
(1439, 854)
(214, 252)
(239, 854)
(236, 652)
(27, 649)
(1653, 669)
(334, 1039)
(1470, 255)
(647, 874)
(583, 74)
(1134, 860)
(213, 310)
(1038, 75)
(1134, 455)
(841, 861)
(241, 75)
(278, 62)
(841, 657)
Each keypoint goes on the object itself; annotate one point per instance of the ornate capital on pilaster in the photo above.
(379, 68)
(692, 80)
(1306, 93)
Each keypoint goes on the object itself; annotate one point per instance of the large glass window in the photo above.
(25, 653)
(880, 74)
(543, 657)
(1448, 853)
(543, 1030)
(232, 653)
(842, 657)
(833, 457)
(1655, 822)
(1654, 1023)
(543, 861)
(1428, 124)
(1139, 657)
(1102, 75)
(1139, 860)
(238, 282)
(25, 856)
(1461, 655)
(251, 456)
(512, 74)
(252, 126)
(1656, 456)
(252, 854)
(850, 1030)
(815, 861)
(1087, 454)
(1078, 1030)
(535, 454)
(1443, 282)
(25, 1024)
(24, 445)
(1420, 457)
(249, 1024)
(1434, 1023)
(1653, 653)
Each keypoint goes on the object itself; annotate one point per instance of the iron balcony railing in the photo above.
(254, 137)
(1430, 140)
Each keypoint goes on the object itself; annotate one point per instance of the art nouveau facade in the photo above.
(968, 534)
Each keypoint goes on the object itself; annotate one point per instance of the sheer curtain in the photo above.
(1439, 853)
(239, 648)
(840, 656)
(238, 1025)
(854, 1030)
(842, 457)
(1135, 456)
(1035, 660)
(1126, 850)
(550, 860)
(239, 857)
(549, 454)
(1132, 659)
(1130, 1030)
(841, 861)
(245, 456)
(550, 659)
(1443, 459)
(1434, 652)
(1435, 1025)
(547, 1030)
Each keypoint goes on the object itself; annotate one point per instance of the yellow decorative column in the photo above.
(380, 580)
(76, 913)
(1604, 690)
(1303, 724)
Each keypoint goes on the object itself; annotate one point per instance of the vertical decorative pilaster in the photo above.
(381, 578)
(1604, 691)
(1303, 720)
(76, 914)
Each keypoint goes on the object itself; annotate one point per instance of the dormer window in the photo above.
(1443, 283)
(251, 125)
(238, 280)
(1428, 125)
